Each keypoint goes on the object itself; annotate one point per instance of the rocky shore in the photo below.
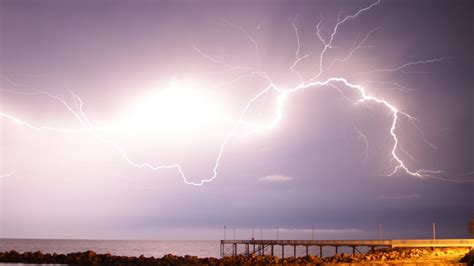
(383, 256)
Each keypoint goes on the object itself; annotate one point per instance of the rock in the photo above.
(468, 258)
(91, 258)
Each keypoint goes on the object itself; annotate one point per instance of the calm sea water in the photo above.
(147, 248)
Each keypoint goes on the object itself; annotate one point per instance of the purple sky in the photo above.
(158, 79)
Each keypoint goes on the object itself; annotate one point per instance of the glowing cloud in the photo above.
(181, 106)
(276, 178)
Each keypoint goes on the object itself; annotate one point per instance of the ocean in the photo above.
(148, 248)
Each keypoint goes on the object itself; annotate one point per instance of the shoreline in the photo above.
(394, 256)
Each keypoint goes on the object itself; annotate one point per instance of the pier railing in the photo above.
(259, 247)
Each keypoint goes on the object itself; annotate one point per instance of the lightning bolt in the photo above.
(403, 66)
(366, 142)
(314, 82)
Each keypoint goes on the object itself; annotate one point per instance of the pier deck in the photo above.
(259, 246)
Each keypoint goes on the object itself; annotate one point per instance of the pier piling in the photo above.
(354, 244)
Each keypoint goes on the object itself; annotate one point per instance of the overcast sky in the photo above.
(166, 81)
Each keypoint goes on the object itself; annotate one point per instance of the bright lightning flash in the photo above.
(181, 106)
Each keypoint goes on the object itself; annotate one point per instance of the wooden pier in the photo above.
(258, 247)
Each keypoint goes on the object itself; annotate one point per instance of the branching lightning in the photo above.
(314, 82)
(401, 67)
